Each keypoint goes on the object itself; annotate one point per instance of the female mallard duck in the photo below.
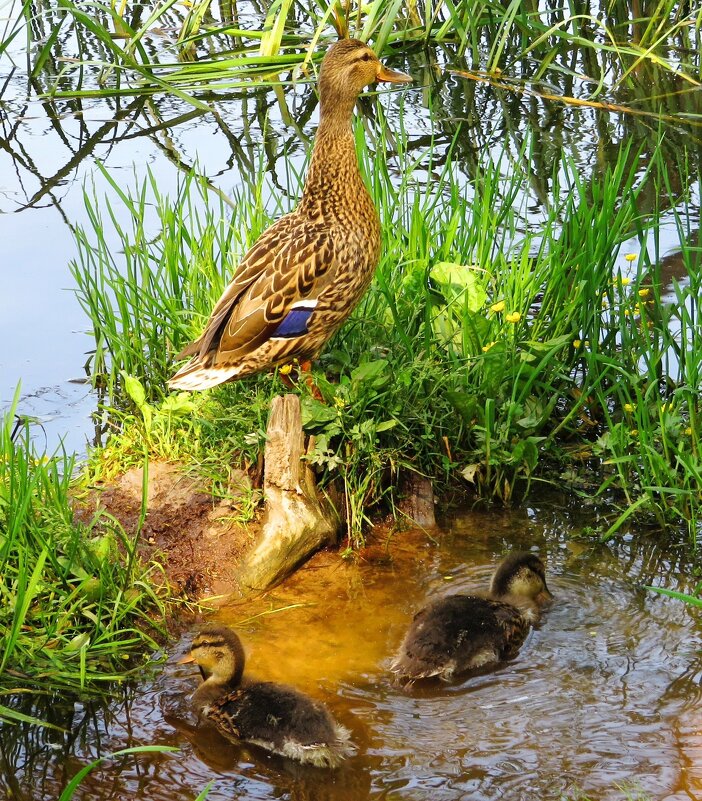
(277, 718)
(463, 632)
(305, 274)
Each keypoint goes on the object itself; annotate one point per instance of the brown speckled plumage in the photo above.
(305, 274)
(272, 716)
(466, 632)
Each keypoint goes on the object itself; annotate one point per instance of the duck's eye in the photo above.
(366, 57)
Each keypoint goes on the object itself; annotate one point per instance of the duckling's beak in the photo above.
(392, 76)
(187, 658)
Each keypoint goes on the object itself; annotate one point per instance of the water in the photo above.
(604, 696)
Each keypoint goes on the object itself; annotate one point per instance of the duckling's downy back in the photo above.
(466, 632)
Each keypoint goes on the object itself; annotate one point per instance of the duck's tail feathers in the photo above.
(195, 376)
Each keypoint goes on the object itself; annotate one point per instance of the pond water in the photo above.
(604, 698)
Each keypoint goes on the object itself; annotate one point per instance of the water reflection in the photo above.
(605, 693)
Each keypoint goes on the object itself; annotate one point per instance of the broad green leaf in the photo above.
(459, 280)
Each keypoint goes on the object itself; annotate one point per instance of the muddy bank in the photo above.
(193, 535)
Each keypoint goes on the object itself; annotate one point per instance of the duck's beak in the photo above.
(184, 661)
(392, 76)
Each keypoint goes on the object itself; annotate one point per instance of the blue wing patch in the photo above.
(294, 324)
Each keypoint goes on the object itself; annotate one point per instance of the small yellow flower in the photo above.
(688, 431)
(513, 317)
(629, 407)
(630, 256)
(666, 407)
(577, 343)
(644, 293)
(339, 402)
(625, 280)
(634, 432)
(487, 347)
(586, 343)
(627, 313)
(286, 369)
(497, 307)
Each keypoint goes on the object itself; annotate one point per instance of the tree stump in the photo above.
(418, 501)
(298, 519)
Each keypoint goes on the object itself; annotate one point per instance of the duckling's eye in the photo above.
(366, 57)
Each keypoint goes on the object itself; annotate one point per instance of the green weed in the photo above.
(483, 355)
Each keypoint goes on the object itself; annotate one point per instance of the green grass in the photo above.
(77, 606)
(484, 356)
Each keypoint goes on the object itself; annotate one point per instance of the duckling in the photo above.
(305, 274)
(272, 716)
(465, 632)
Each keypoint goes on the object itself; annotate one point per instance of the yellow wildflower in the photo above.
(625, 280)
(577, 343)
(629, 407)
(339, 402)
(644, 293)
(286, 369)
(497, 307)
(630, 257)
(634, 432)
(487, 347)
(666, 407)
(688, 431)
(513, 317)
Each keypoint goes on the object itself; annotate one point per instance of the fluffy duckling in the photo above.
(464, 632)
(272, 716)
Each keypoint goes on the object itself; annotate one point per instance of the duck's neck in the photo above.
(334, 190)
(215, 685)
(210, 691)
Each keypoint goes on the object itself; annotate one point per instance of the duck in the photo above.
(275, 717)
(465, 632)
(305, 274)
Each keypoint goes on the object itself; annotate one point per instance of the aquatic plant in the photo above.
(208, 54)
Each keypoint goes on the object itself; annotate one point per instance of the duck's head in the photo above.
(348, 67)
(218, 653)
(521, 575)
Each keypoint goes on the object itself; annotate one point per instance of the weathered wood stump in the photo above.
(298, 519)
(418, 501)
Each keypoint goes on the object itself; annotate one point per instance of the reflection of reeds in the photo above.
(607, 50)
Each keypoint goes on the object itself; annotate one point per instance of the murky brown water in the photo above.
(604, 697)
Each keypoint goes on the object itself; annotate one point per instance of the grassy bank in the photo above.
(485, 356)
(78, 608)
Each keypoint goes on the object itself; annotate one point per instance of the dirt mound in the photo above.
(193, 535)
